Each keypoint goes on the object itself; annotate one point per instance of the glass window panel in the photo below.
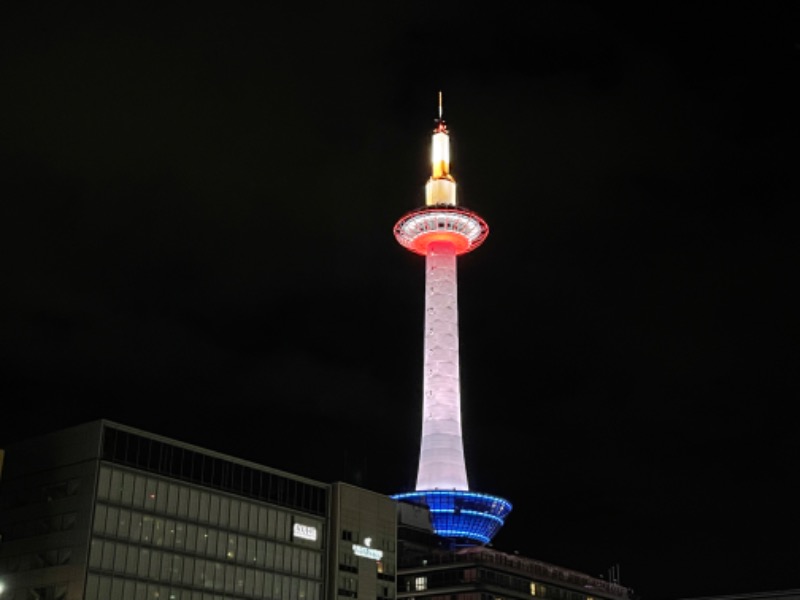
(212, 550)
(95, 552)
(194, 504)
(115, 489)
(124, 528)
(188, 570)
(180, 535)
(112, 521)
(258, 584)
(269, 559)
(139, 487)
(252, 522)
(172, 499)
(305, 559)
(90, 593)
(120, 556)
(271, 517)
(277, 586)
(205, 501)
(166, 567)
(249, 579)
(104, 587)
(230, 549)
(107, 557)
(281, 559)
(154, 591)
(141, 591)
(128, 589)
(115, 592)
(236, 509)
(169, 533)
(177, 568)
(261, 553)
(199, 573)
(155, 564)
(241, 549)
(222, 545)
(133, 559)
(191, 538)
(262, 520)
(280, 527)
(230, 578)
(201, 544)
(158, 531)
(295, 552)
(126, 494)
(161, 496)
(213, 511)
(148, 525)
(100, 514)
(302, 593)
(250, 552)
(136, 527)
(239, 580)
(294, 590)
(183, 501)
(224, 511)
(218, 576)
(150, 494)
(144, 563)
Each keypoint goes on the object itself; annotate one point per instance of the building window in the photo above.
(420, 584)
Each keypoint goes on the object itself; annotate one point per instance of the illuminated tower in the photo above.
(441, 231)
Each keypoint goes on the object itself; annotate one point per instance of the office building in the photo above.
(102, 511)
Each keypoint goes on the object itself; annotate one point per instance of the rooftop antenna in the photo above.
(440, 105)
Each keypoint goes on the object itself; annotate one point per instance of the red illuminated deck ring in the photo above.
(459, 226)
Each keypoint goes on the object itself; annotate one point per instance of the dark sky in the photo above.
(196, 220)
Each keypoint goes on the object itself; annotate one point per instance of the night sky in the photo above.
(196, 220)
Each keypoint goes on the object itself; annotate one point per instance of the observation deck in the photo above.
(457, 225)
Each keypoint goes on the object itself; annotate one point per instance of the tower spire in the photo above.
(441, 187)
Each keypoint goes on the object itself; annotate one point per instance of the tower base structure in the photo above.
(465, 518)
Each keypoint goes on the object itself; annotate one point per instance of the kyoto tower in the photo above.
(441, 231)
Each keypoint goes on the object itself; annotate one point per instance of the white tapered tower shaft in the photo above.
(441, 460)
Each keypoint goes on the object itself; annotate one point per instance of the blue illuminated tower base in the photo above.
(463, 517)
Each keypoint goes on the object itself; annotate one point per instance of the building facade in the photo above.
(102, 511)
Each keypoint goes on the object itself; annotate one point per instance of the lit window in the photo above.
(420, 583)
(533, 588)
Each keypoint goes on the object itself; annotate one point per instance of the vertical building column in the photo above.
(441, 463)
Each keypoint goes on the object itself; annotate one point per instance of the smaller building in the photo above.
(433, 568)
